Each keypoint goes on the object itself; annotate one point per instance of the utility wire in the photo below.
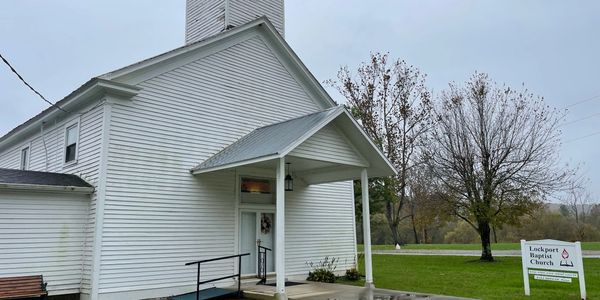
(27, 84)
(582, 101)
(583, 137)
(581, 119)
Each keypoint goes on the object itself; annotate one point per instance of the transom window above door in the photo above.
(255, 190)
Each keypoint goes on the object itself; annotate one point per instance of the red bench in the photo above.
(22, 287)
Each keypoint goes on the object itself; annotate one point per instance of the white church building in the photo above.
(197, 153)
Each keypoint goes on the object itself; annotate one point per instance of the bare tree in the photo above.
(428, 211)
(578, 202)
(392, 103)
(495, 151)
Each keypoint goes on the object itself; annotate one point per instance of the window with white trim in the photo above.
(71, 140)
(25, 158)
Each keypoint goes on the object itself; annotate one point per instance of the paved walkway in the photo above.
(326, 291)
(499, 253)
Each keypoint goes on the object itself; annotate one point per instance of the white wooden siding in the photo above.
(319, 222)
(241, 12)
(43, 233)
(157, 215)
(329, 144)
(203, 19)
(47, 155)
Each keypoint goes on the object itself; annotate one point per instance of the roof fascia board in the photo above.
(311, 132)
(173, 61)
(196, 171)
(351, 145)
(292, 62)
(139, 72)
(368, 138)
(94, 88)
(128, 73)
(46, 188)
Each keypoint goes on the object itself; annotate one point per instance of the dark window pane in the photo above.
(70, 152)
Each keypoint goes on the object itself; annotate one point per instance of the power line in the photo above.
(582, 101)
(581, 119)
(583, 137)
(27, 84)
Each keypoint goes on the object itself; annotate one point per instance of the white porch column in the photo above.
(364, 181)
(280, 230)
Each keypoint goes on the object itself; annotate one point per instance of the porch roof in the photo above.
(278, 140)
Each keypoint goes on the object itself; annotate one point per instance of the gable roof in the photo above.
(92, 88)
(116, 81)
(278, 140)
(262, 25)
(267, 142)
(12, 178)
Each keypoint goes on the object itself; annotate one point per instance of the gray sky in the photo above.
(551, 46)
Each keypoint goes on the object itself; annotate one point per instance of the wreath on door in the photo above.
(265, 224)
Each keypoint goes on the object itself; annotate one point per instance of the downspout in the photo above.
(45, 148)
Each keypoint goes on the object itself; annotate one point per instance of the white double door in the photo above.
(256, 226)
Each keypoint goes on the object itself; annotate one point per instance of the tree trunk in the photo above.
(495, 237)
(414, 227)
(486, 248)
(395, 234)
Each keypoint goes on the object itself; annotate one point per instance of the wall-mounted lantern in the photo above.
(289, 181)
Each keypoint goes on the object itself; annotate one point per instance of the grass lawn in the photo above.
(467, 277)
(498, 246)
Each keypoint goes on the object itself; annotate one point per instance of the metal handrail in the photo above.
(262, 258)
(238, 275)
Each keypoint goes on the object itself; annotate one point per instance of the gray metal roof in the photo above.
(269, 140)
(12, 176)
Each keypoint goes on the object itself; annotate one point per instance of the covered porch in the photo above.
(324, 147)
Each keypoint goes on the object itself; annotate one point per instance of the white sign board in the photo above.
(562, 259)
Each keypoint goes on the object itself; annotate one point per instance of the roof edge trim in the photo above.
(197, 170)
(46, 188)
(338, 110)
(94, 87)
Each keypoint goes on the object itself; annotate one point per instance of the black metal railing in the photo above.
(238, 275)
(262, 264)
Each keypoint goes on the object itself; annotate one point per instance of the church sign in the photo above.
(552, 260)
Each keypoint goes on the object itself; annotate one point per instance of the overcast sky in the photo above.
(551, 46)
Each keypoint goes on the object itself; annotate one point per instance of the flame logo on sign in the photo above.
(565, 254)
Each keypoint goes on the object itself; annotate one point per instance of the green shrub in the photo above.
(321, 275)
(352, 274)
(323, 271)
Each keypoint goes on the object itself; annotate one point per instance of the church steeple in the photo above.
(209, 17)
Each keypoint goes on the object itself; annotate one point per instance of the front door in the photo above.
(256, 227)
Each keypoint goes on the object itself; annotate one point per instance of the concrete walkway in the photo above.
(498, 253)
(327, 291)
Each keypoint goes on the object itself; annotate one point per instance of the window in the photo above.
(71, 139)
(257, 190)
(25, 158)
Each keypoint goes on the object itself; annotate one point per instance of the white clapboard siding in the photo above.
(44, 233)
(329, 144)
(319, 222)
(157, 215)
(46, 154)
(203, 19)
(244, 11)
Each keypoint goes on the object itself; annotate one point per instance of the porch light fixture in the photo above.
(289, 181)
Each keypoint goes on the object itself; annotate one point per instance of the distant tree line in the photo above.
(475, 162)
(549, 221)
